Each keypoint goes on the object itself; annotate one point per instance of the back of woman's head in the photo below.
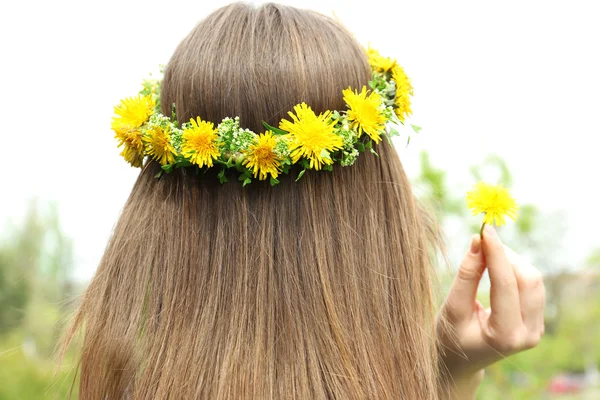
(318, 288)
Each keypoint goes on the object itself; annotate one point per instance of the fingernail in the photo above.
(475, 245)
(490, 231)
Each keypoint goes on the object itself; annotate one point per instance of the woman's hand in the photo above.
(474, 337)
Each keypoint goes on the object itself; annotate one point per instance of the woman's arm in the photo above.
(473, 337)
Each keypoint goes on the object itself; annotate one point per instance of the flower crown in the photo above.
(310, 140)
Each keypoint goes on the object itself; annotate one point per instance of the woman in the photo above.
(314, 288)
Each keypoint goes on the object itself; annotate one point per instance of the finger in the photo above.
(484, 313)
(481, 310)
(531, 291)
(461, 299)
(533, 299)
(504, 291)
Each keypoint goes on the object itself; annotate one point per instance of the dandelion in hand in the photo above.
(495, 202)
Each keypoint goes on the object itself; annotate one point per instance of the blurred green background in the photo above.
(38, 293)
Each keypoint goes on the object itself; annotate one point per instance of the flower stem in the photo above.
(481, 230)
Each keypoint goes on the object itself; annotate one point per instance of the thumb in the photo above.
(460, 302)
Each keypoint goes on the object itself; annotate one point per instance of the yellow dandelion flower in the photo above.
(365, 112)
(158, 144)
(133, 151)
(494, 201)
(404, 90)
(132, 113)
(261, 157)
(200, 143)
(311, 136)
(378, 62)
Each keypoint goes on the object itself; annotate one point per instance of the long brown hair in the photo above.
(316, 289)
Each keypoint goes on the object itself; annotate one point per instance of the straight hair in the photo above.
(316, 289)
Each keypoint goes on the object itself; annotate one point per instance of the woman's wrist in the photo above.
(463, 387)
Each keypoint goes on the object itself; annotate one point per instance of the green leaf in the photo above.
(183, 163)
(246, 181)
(300, 175)
(159, 174)
(360, 146)
(374, 152)
(394, 132)
(245, 176)
(273, 181)
(328, 167)
(387, 137)
(369, 145)
(286, 169)
(238, 163)
(173, 113)
(416, 128)
(325, 154)
(168, 168)
(273, 129)
(221, 176)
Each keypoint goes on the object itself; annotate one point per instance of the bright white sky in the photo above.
(517, 78)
